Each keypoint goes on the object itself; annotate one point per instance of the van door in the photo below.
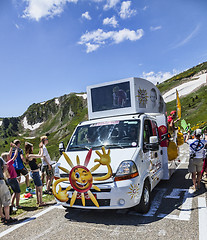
(155, 165)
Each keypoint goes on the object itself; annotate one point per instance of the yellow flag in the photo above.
(178, 105)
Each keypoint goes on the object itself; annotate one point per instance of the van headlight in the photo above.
(126, 170)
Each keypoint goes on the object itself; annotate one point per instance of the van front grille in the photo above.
(88, 202)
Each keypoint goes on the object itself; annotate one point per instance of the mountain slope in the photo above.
(58, 117)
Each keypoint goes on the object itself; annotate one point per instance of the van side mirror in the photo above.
(61, 148)
(153, 145)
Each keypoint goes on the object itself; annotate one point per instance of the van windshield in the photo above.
(111, 134)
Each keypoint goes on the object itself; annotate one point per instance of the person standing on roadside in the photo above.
(171, 125)
(5, 196)
(46, 165)
(31, 158)
(12, 178)
(197, 150)
(19, 164)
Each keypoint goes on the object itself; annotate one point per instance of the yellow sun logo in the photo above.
(81, 179)
(134, 190)
(142, 96)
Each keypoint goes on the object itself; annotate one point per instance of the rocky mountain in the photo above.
(58, 117)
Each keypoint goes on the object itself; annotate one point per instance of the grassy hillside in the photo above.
(194, 107)
(59, 122)
(60, 119)
(182, 77)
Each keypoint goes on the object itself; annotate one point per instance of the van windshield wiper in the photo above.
(108, 145)
(79, 147)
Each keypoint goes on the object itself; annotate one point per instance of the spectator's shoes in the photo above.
(47, 192)
(10, 221)
(19, 207)
(2, 219)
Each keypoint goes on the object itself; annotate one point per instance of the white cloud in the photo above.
(37, 9)
(17, 26)
(86, 15)
(127, 34)
(93, 40)
(91, 47)
(145, 8)
(189, 37)
(155, 28)
(125, 11)
(111, 4)
(158, 77)
(111, 21)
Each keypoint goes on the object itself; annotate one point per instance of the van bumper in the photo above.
(113, 195)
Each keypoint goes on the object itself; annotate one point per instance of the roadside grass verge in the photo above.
(31, 203)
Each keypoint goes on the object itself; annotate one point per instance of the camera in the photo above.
(192, 155)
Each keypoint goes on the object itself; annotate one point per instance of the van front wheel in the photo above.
(144, 205)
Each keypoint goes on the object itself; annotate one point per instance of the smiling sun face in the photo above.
(81, 179)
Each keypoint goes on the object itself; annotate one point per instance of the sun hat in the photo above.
(198, 132)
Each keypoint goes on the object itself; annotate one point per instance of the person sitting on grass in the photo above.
(31, 158)
(5, 196)
(12, 176)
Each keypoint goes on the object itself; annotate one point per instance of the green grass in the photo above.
(193, 107)
(31, 204)
(182, 77)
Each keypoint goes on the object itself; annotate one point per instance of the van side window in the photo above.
(147, 131)
(154, 129)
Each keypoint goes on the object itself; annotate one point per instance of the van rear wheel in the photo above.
(144, 205)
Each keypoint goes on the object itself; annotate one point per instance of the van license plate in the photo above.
(86, 196)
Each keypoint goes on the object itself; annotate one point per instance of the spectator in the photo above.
(5, 196)
(196, 146)
(12, 181)
(19, 165)
(31, 158)
(171, 125)
(204, 169)
(46, 165)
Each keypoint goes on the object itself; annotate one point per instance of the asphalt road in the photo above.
(176, 213)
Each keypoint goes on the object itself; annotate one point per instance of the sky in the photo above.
(49, 48)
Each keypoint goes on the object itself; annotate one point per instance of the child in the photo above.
(12, 178)
(5, 196)
(31, 158)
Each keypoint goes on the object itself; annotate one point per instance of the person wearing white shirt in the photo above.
(197, 150)
(46, 165)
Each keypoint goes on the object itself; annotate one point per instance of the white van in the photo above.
(114, 160)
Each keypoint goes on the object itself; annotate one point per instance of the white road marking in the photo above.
(202, 211)
(185, 211)
(156, 203)
(174, 194)
(18, 225)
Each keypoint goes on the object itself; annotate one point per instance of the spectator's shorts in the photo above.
(46, 169)
(5, 196)
(22, 171)
(36, 178)
(14, 185)
(195, 165)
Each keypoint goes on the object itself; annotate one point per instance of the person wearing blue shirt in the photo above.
(19, 165)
